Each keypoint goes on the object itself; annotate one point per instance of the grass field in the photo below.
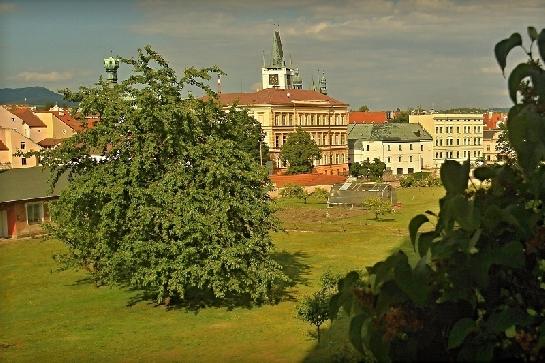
(60, 316)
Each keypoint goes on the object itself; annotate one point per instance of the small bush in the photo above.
(292, 191)
(420, 179)
(378, 206)
(320, 193)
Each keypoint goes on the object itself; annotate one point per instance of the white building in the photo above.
(404, 148)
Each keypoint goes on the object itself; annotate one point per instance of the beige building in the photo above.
(11, 142)
(490, 145)
(55, 130)
(281, 111)
(404, 148)
(455, 136)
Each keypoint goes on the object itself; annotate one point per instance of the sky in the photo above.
(381, 53)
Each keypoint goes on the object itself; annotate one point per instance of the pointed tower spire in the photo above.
(277, 54)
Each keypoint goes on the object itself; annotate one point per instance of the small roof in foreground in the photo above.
(28, 183)
(49, 142)
(401, 132)
(273, 96)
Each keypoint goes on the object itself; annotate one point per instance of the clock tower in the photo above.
(275, 74)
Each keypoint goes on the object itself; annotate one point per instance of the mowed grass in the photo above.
(47, 315)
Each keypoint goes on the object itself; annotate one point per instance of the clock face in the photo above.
(273, 79)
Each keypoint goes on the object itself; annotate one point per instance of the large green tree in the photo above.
(299, 152)
(176, 203)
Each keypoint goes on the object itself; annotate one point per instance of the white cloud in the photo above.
(7, 7)
(53, 76)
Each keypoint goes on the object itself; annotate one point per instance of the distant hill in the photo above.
(34, 96)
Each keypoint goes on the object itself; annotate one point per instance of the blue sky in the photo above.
(386, 54)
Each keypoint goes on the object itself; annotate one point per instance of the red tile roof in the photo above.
(3, 146)
(492, 119)
(306, 179)
(272, 96)
(28, 117)
(357, 117)
(68, 120)
(49, 142)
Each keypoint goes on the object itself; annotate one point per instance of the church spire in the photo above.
(277, 55)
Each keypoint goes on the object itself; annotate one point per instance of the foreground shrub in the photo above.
(476, 291)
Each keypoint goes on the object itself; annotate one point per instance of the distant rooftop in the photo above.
(402, 132)
(272, 96)
(358, 117)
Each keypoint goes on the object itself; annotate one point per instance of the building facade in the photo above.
(24, 201)
(404, 148)
(280, 112)
(455, 136)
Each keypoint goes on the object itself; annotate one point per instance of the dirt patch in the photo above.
(309, 219)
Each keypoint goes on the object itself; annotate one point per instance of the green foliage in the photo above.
(401, 117)
(320, 193)
(476, 290)
(314, 309)
(294, 191)
(378, 206)
(363, 108)
(299, 152)
(369, 170)
(177, 205)
(421, 179)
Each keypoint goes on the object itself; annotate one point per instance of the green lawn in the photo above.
(60, 316)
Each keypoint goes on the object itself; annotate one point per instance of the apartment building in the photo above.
(404, 148)
(455, 136)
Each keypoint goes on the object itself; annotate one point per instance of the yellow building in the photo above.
(455, 136)
(56, 129)
(281, 111)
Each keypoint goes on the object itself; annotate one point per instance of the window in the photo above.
(399, 158)
(23, 161)
(457, 129)
(367, 148)
(388, 147)
(276, 140)
(410, 146)
(34, 213)
(421, 147)
(284, 138)
(399, 146)
(410, 158)
(22, 145)
(276, 119)
(457, 141)
(283, 120)
(457, 154)
(388, 159)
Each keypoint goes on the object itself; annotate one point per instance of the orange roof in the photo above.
(273, 96)
(306, 179)
(69, 120)
(491, 119)
(357, 117)
(3, 146)
(28, 117)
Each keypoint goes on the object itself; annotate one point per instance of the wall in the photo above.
(56, 129)
(18, 226)
(12, 139)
